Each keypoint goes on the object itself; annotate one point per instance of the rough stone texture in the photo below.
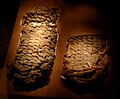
(86, 58)
(35, 53)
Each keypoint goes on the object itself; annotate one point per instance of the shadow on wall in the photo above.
(8, 10)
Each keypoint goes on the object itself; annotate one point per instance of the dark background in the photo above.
(8, 13)
(9, 9)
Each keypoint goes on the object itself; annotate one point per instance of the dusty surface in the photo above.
(36, 49)
(76, 20)
(86, 58)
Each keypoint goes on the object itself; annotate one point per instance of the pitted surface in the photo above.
(35, 53)
(86, 57)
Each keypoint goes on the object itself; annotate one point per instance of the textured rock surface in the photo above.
(35, 53)
(86, 58)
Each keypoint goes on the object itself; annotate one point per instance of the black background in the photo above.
(8, 13)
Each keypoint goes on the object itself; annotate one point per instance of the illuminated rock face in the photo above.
(86, 58)
(35, 53)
